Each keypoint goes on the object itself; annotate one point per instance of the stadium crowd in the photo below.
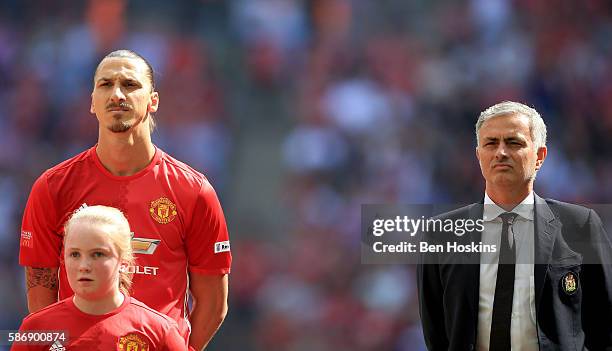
(376, 102)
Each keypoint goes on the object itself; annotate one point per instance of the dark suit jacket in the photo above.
(568, 238)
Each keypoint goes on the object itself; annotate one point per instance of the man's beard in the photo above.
(120, 127)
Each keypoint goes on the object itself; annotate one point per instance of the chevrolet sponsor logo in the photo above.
(144, 270)
(144, 245)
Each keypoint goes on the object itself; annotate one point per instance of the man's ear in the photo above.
(154, 102)
(91, 107)
(477, 154)
(542, 152)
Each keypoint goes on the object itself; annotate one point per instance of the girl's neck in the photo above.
(99, 306)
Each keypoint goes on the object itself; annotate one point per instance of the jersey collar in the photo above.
(93, 155)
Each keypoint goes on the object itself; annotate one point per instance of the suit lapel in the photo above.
(547, 228)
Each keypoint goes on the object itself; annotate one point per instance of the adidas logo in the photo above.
(84, 205)
(57, 346)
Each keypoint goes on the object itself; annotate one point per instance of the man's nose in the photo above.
(502, 151)
(117, 94)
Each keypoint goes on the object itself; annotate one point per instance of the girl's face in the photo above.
(92, 261)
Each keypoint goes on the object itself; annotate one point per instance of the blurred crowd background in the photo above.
(299, 112)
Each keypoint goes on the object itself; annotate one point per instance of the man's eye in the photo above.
(74, 254)
(106, 84)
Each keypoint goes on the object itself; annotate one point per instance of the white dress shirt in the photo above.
(523, 333)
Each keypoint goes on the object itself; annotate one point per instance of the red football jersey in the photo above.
(132, 326)
(173, 211)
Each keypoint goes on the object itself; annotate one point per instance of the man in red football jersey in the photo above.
(180, 236)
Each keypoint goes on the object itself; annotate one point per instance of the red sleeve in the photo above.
(173, 339)
(27, 326)
(40, 244)
(207, 240)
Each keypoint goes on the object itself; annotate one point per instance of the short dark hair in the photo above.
(125, 53)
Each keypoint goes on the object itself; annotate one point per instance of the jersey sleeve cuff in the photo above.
(39, 264)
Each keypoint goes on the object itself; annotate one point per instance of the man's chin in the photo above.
(120, 127)
(504, 180)
(509, 181)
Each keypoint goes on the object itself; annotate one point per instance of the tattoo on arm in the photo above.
(45, 277)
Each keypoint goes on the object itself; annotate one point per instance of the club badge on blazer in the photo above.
(569, 283)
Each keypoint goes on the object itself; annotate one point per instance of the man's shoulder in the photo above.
(143, 309)
(51, 312)
(74, 168)
(565, 211)
(182, 170)
(66, 166)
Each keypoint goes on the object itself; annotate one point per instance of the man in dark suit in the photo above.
(547, 286)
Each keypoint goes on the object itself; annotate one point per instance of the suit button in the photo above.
(471, 347)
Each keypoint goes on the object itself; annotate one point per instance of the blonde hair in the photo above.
(120, 235)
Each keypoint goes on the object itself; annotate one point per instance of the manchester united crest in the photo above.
(163, 210)
(569, 283)
(132, 342)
